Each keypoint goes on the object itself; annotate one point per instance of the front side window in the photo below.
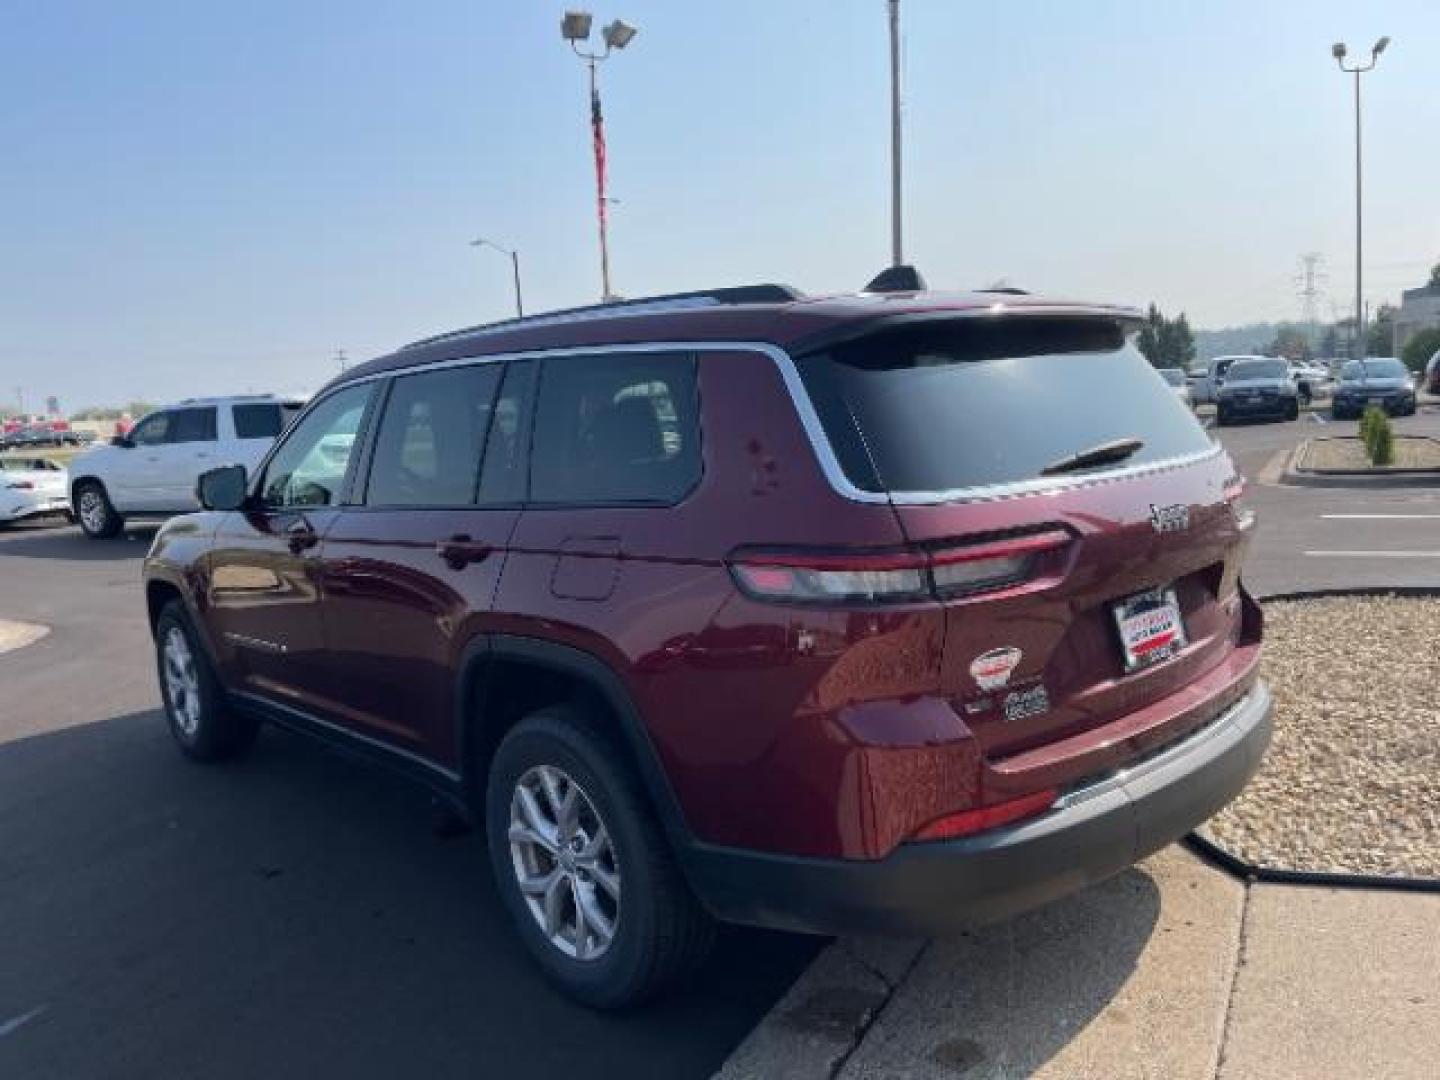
(431, 436)
(192, 425)
(152, 431)
(970, 403)
(309, 467)
(615, 429)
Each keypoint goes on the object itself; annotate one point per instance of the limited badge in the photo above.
(1021, 704)
(992, 670)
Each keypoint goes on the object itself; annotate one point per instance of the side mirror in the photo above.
(122, 441)
(225, 488)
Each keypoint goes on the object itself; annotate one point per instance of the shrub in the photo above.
(1378, 436)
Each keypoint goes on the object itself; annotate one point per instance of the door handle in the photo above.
(460, 551)
(299, 536)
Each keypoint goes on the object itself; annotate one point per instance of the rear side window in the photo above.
(431, 436)
(972, 403)
(262, 419)
(192, 425)
(615, 429)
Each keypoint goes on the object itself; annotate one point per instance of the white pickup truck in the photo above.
(151, 472)
(1206, 377)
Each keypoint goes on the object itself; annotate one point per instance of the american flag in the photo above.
(597, 124)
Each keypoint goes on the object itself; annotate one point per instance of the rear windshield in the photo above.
(970, 403)
(1257, 369)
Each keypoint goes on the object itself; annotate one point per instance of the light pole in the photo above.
(481, 242)
(897, 256)
(1338, 51)
(575, 28)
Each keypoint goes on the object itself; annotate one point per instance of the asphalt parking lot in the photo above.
(292, 915)
(295, 915)
(1326, 538)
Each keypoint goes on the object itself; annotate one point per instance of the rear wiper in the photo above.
(1104, 454)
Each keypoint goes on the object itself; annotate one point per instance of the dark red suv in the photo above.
(877, 613)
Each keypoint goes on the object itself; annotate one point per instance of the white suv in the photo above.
(151, 473)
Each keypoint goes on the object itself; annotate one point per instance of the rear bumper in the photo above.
(942, 887)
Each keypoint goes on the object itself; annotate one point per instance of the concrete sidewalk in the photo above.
(1171, 970)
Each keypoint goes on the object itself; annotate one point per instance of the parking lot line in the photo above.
(1376, 554)
(1380, 517)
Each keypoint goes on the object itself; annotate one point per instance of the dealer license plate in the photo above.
(1151, 629)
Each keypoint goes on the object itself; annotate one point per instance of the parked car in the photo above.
(1312, 381)
(1176, 378)
(1431, 379)
(628, 585)
(151, 472)
(1258, 387)
(31, 488)
(1207, 377)
(1382, 381)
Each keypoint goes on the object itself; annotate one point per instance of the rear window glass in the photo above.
(262, 419)
(972, 403)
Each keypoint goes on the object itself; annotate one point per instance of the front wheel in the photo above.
(583, 866)
(200, 721)
(98, 517)
(1292, 410)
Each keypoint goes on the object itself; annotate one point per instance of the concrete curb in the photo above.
(1296, 475)
(16, 635)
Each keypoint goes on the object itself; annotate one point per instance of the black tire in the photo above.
(660, 931)
(1221, 417)
(215, 732)
(1292, 410)
(98, 518)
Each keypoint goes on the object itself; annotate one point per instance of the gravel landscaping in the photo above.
(1352, 779)
(1411, 452)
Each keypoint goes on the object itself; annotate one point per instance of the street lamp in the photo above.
(1339, 51)
(481, 242)
(575, 28)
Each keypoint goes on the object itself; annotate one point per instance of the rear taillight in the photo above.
(801, 576)
(970, 822)
(909, 574)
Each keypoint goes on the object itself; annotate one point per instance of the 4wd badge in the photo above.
(992, 670)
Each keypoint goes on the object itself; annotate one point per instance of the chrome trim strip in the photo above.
(264, 704)
(809, 419)
(254, 642)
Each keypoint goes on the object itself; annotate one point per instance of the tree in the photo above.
(1166, 343)
(1291, 342)
(1380, 337)
(1420, 348)
(1330, 341)
(1435, 276)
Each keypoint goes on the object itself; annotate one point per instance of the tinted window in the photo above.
(151, 431)
(615, 429)
(1257, 369)
(971, 402)
(262, 419)
(507, 450)
(192, 425)
(427, 450)
(308, 468)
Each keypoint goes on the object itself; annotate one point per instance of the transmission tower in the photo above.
(1310, 287)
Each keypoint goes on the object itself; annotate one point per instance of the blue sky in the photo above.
(215, 197)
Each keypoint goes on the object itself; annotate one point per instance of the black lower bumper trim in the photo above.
(942, 887)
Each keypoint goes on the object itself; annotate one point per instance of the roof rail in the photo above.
(700, 298)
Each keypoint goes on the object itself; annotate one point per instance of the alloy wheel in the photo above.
(564, 862)
(182, 682)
